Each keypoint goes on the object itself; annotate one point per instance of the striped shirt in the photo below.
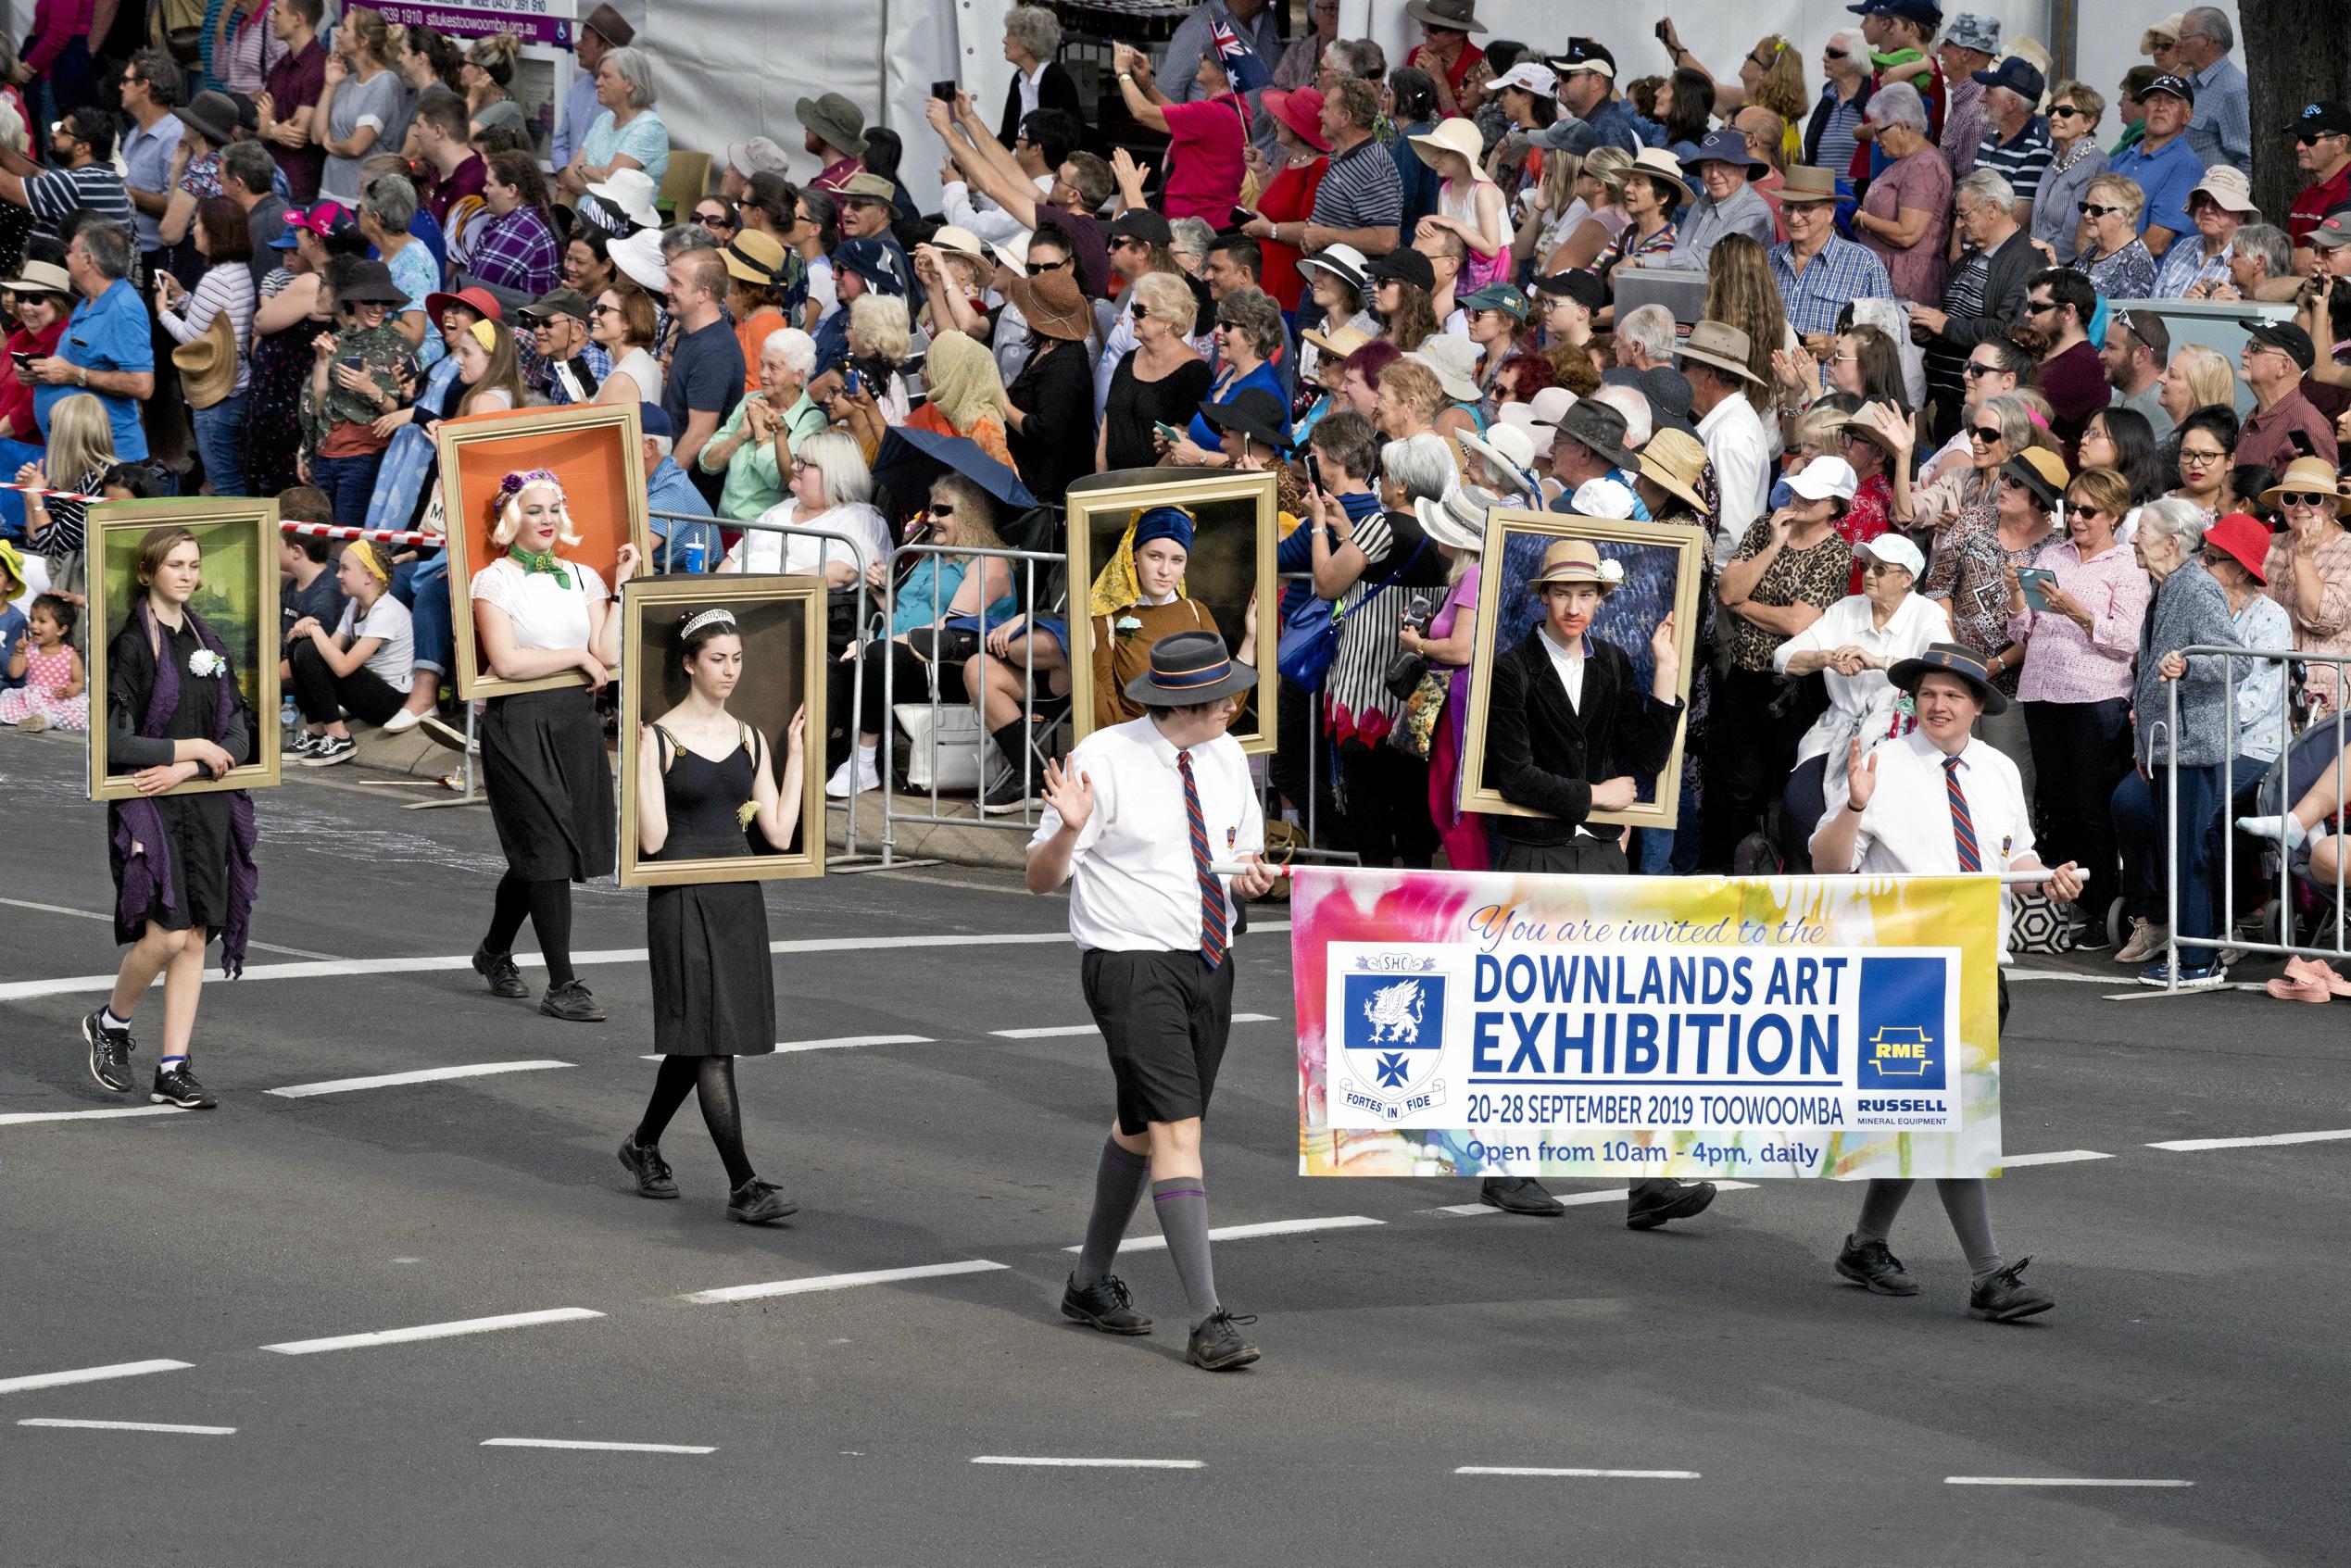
(2184, 265)
(1360, 190)
(57, 196)
(227, 288)
(2022, 159)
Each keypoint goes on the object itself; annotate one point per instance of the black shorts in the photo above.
(1165, 1017)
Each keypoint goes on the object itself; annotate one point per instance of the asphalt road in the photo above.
(2198, 1337)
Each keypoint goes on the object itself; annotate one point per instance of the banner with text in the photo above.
(1467, 1025)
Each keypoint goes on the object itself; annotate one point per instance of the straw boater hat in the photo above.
(1950, 658)
(2303, 476)
(1337, 344)
(1806, 183)
(1578, 560)
(1671, 461)
(39, 277)
(1724, 348)
(1458, 521)
(1188, 667)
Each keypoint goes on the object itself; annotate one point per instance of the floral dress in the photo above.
(45, 673)
(273, 397)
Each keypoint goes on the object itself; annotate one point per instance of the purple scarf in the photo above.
(138, 824)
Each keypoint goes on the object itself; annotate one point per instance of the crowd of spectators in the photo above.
(1916, 405)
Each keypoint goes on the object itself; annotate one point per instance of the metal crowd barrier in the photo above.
(798, 530)
(2226, 918)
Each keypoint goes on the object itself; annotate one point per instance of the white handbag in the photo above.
(948, 743)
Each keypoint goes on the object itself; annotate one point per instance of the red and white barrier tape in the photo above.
(60, 494)
(389, 535)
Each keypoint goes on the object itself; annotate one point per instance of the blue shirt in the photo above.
(1264, 377)
(2166, 176)
(110, 332)
(670, 491)
(911, 606)
(580, 109)
(1618, 124)
(1840, 271)
(146, 159)
(12, 624)
(2222, 129)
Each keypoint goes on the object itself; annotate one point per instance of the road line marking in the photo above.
(845, 1041)
(421, 1075)
(128, 1426)
(87, 1374)
(2066, 976)
(1577, 1474)
(1572, 1200)
(17, 1118)
(1243, 1233)
(93, 914)
(2051, 1481)
(2195, 1146)
(25, 990)
(599, 1447)
(2056, 1157)
(838, 1282)
(1089, 1463)
(433, 1331)
(1060, 1031)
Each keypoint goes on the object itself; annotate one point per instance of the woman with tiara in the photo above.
(542, 761)
(706, 789)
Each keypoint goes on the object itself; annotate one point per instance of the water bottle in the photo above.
(289, 718)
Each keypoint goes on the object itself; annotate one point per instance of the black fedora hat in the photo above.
(1254, 412)
(1186, 668)
(1950, 658)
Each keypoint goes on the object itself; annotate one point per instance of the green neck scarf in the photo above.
(547, 563)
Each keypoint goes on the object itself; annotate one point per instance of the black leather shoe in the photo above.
(1216, 1344)
(759, 1203)
(499, 971)
(1105, 1305)
(1871, 1265)
(571, 1002)
(2004, 1299)
(110, 1052)
(1653, 1203)
(652, 1172)
(1518, 1195)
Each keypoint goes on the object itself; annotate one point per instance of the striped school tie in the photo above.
(1962, 826)
(1213, 939)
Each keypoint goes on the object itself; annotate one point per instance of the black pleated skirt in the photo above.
(713, 985)
(196, 842)
(550, 785)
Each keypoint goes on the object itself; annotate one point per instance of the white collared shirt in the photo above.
(1915, 623)
(1133, 887)
(1907, 828)
(1735, 443)
(1569, 662)
(1028, 87)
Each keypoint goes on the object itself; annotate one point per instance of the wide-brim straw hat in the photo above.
(1053, 306)
(1660, 165)
(1454, 135)
(1672, 461)
(2302, 476)
(1458, 521)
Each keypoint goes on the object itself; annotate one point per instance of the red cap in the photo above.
(2243, 539)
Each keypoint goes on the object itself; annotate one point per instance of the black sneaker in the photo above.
(1518, 1195)
(1216, 1344)
(652, 1172)
(499, 971)
(1009, 792)
(1105, 1305)
(178, 1086)
(1871, 1265)
(759, 1203)
(330, 750)
(1651, 1204)
(303, 744)
(2091, 936)
(2005, 1299)
(110, 1052)
(571, 1002)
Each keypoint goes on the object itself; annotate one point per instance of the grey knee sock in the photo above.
(1181, 1203)
(1969, 1202)
(1878, 1207)
(1118, 1186)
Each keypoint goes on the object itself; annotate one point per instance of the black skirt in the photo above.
(550, 785)
(195, 844)
(714, 983)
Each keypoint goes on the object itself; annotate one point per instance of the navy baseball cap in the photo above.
(653, 421)
(2179, 87)
(2018, 75)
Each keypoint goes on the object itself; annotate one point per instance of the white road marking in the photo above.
(2051, 1481)
(2195, 1146)
(129, 1426)
(93, 914)
(421, 1075)
(15, 1118)
(2056, 1157)
(87, 1374)
(845, 1041)
(1572, 1200)
(838, 1281)
(25, 990)
(1057, 1462)
(1577, 1474)
(1059, 1030)
(2064, 974)
(433, 1331)
(1243, 1233)
(599, 1447)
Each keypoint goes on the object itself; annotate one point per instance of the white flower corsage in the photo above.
(1125, 625)
(204, 661)
(1612, 573)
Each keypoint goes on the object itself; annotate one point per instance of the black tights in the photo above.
(714, 1075)
(549, 906)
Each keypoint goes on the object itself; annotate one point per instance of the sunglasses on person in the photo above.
(2092, 209)
(939, 511)
(1839, 53)
(1141, 312)
(714, 220)
(2062, 111)
(601, 308)
(2040, 307)
(1991, 435)
(1972, 368)
(2305, 140)
(2089, 513)
(2305, 498)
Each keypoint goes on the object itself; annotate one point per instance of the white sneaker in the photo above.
(2147, 939)
(400, 723)
(859, 768)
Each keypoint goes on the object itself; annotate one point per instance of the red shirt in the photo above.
(1206, 138)
(465, 180)
(1458, 72)
(1289, 199)
(2315, 202)
(295, 83)
(1870, 515)
(15, 402)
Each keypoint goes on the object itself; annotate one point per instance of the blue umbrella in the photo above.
(911, 459)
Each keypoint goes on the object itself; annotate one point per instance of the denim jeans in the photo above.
(216, 436)
(2142, 819)
(428, 601)
(350, 483)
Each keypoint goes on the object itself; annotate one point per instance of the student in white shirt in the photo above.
(1939, 802)
(1154, 924)
(362, 667)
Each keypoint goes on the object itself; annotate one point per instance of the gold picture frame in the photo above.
(1616, 540)
(781, 620)
(239, 602)
(1098, 511)
(597, 449)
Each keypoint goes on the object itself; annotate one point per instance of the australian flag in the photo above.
(1247, 69)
